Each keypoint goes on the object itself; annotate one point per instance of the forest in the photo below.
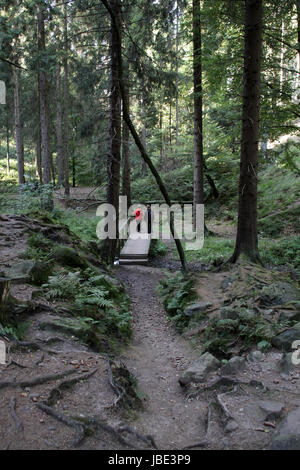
(115, 344)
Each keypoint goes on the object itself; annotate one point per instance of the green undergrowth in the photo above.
(157, 248)
(177, 292)
(97, 298)
(245, 318)
(273, 252)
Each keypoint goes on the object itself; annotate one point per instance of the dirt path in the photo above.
(156, 356)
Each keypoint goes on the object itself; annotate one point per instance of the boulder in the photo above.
(287, 434)
(227, 282)
(35, 271)
(284, 340)
(195, 309)
(67, 256)
(234, 365)
(278, 293)
(198, 371)
(286, 365)
(256, 356)
(271, 410)
(289, 315)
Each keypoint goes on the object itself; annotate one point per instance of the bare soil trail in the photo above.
(157, 356)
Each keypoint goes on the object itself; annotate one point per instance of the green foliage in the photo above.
(94, 296)
(157, 248)
(17, 330)
(247, 329)
(35, 197)
(177, 292)
(284, 251)
(214, 247)
(84, 227)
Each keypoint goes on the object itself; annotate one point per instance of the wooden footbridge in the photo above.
(135, 250)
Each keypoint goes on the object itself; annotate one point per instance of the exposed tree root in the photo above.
(117, 388)
(148, 439)
(226, 382)
(55, 393)
(37, 380)
(80, 428)
(12, 409)
(15, 363)
(198, 444)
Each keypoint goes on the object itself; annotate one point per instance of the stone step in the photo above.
(133, 261)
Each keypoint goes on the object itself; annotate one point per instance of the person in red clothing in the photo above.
(138, 217)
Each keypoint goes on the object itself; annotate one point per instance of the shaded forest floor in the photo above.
(57, 391)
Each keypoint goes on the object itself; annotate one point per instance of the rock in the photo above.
(287, 435)
(229, 313)
(289, 315)
(195, 309)
(227, 282)
(35, 271)
(77, 328)
(256, 356)
(278, 293)
(234, 365)
(285, 365)
(284, 340)
(69, 257)
(231, 426)
(272, 410)
(198, 371)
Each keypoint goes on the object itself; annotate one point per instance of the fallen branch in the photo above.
(12, 409)
(147, 439)
(37, 380)
(80, 429)
(55, 393)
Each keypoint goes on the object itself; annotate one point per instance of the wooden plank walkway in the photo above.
(135, 251)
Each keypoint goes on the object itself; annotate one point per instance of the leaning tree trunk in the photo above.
(246, 239)
(114, 156)
(198, 125)
(43, 100)
(126, 188)
(59, 137)
(4, 296)
(298, 52)
(7, 142)
(144, 155)
(18, 128)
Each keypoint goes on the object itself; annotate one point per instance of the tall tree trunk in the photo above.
(66, 104)
(114, 156)
(38, 155)
(144, 127)
(59, 137)
(246, 240)
(177, 84)
(126, 186)
(18, 128)
(198, 138)
(43, 99)
(7, 142)
(298, 52)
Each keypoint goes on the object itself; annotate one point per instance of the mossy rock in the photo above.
(35, 271)
(278, 293)
(67, 256)
(82, 330)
